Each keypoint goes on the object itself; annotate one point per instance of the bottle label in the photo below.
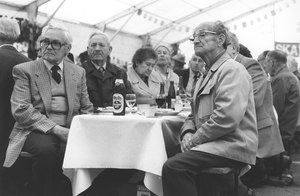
(173, 103)
(118, 102)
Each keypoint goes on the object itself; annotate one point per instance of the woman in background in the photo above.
(163, 72)
(145, 89)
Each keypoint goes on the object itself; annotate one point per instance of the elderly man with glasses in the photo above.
(221, 130)
(47, 94)
(192, 74)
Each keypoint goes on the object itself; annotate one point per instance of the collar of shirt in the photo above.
(235, 56)
(192, 74)
(49, 65)
(98, 66)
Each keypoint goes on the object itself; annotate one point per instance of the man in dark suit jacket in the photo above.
(9, 32)
(286, 95)
(191, 75)
(100, 73)
(269, 138)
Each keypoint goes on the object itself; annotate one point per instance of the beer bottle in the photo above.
(171, 95)
(119, 98)
(181, 92)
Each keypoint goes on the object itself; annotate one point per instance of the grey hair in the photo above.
(234, 41)
(9, 29)
(58, 27)
(220, 28)
(163, 46)
(98, 32)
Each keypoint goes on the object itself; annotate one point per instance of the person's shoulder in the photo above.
(181, 72)
(28, 67)
(73, 66)
(249, 61)
(116, 68)
(234, 67)
(27, 64)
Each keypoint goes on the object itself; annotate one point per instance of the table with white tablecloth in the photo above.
(97, 142)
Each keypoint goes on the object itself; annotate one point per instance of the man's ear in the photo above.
(69, 47)
(221, 39)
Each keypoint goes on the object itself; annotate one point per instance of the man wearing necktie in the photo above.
(100, 72)
(191, 75)
(47, 94)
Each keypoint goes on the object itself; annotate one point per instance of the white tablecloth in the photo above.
(97, 142)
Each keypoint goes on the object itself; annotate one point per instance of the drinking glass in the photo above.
(130, 101)
(183, 97)
(160, 100)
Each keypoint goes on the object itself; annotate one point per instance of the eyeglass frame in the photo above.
(46, 44)
(199, 60)
(203, 35)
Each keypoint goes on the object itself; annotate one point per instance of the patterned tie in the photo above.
(101, 70)
(55, 75)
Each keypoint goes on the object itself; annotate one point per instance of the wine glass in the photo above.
(160, 100)
(183, 97)
(130, 101)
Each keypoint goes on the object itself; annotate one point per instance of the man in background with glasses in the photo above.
(192, 74)
(47, 94)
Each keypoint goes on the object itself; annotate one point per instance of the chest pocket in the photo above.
(206, 102)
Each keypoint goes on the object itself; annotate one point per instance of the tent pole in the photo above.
(118, 31)
(50, 18)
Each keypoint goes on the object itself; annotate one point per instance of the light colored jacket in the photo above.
(223, 113)
(144, 94)
(157, 76)
(31, 101)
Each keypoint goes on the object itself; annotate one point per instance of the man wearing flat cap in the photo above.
(178, 61)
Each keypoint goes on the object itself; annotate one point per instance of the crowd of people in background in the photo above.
(244, 111)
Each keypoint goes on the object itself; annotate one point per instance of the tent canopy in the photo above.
(169, 21)
(173, 21)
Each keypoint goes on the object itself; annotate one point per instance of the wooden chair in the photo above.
(226, 171)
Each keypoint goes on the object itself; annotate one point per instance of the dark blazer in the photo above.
(269, 139)
(9, 57)
(101, 88)
(286, 98)
(185, 73)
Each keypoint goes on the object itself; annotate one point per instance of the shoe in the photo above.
(251, 192)
(255, 183)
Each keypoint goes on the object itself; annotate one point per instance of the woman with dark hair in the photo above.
(143, 62)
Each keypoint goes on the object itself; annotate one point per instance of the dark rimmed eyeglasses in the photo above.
(54, 44)
(201, 35)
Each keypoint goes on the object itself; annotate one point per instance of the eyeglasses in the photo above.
(199, 60)
(54, 44)
(201, 35)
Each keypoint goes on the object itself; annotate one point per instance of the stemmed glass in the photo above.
(160, 100)
(130, 101)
